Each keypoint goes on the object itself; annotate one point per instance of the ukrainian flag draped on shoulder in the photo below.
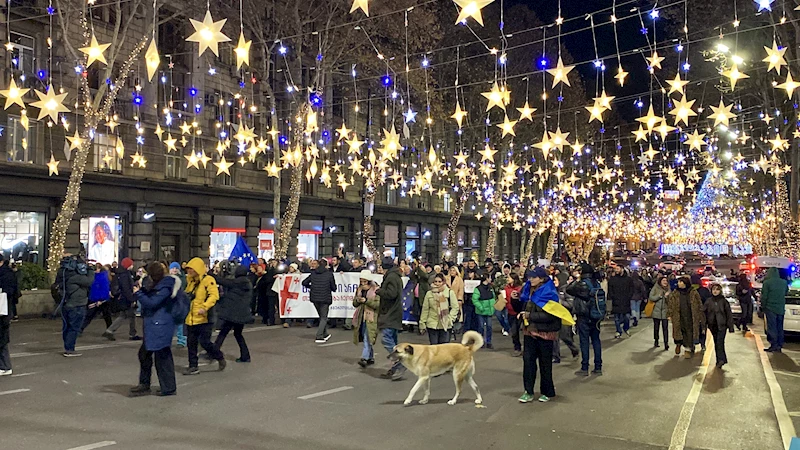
(546, 297)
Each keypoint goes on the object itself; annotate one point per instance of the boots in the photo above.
(656, 344)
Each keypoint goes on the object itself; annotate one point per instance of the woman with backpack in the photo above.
(156, 301)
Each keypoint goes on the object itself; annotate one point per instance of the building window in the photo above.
(391, 196)
(308, 186)
(106, 158)
(174, 166)
(22, 236)
(447, 203)
(20, 143)
(22, 58)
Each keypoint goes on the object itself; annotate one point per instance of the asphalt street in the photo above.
(300, 395)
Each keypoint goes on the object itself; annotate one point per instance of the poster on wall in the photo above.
(103, 245)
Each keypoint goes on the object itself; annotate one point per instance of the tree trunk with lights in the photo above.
(552, 242)
(794, 191)
(369, 198)
(494, 222)
(529, 248)
(452, 226)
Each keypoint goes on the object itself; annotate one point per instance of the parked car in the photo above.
(791, 320)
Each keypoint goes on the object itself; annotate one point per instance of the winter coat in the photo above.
(8, 282)
(659, 297)
(366, 313)
(77, 289)
(234, 304)
(541, 320)
(390, 314)
(513, 305)
(429, 317)
(773, 292)
(421, 278)
(674, 313)
(156, 302)
(262, 288)
(620, 292)
(717, 313)
(639, 292)
(744, 290)
(483, 298)
(206, 292)
(322, 286)
(100, 290)
(457, 285)
(5, 330)
(125, 298)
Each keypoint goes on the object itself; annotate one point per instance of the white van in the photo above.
(760, 264)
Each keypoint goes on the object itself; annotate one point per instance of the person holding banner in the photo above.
(365, 320)
(439, 311)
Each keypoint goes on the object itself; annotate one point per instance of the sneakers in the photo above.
(72, 354)
(161, 393)
(140, 390)
(575, 353)
(222, 364)
(598, 372)
(181, 344)
(627, 333)
(15, 319)
(5, 373)
(191, 371)
(240, 360)
(285, 324)
(109, 336)
(617, 336)
(489, 347)
(505, 333)
(398, 375)
(582, 373)
(635, 323)
(556, 360)
(773, 350)
(323, 340)
(387, 375)
(544, 399)
(363, 363)
(526, 398)
(517, 353)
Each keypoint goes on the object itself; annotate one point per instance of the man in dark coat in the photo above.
(744, 292)
(76, 296)
(322, 286)
(268, 299)
(8, 283)
(125, 301)
(620, 292)
(339, 263)
(233, 309)
(390, 313)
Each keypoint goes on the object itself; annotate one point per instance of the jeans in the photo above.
(618, 320)
(438, 336)
(200, 334)
(92, 313)
(747, 313)
(636, 306)
(5, 358)
(72, 320)
(129, 315)
(389, 341)
(165, 368)
(470, 318)
(502, 317)
(244, 352)
(589, 330)
(514, 331)
(485, 328)
(565, 336)
(774, 329)
(719, 343)
(179, 334)
(322, 310)
(664, 325)
(367, 352)
(539, 352)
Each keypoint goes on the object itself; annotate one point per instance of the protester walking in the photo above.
(638, 294)
(589, 306)
(99, 295)
(203, 293)
(719, 318)
(540, 333)
(365, 320)
(483, 297)
(620, 292)
(439, 311)
(125, 301)
(657, 303)
(686, 313)
(456, 284)
(773, 302)
(322, 285)
(158, 324)
(390, 314)
(233, 309)
(744, 293)
(514, 307)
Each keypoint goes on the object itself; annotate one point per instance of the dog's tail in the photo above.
(473, 340)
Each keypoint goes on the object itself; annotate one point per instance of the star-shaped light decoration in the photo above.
(683, 110)
(471, 8)
(273, 170)
(208, 34)
(651, 152)
(595, 111)
(459, 115)
(223, 166)
(487, 154)
(722, 114)
(242, 51)
(560, 73)
(621, 75)
(75, 141)
(779, 143)
(14, 94)
(654, 62)
(775, 57)
(651, 119)
(152, 60)
(677, 84)
(789, 85)
(50, 103)
(734, 75)
(508, 127)
(170, 143)
(764, 5)
(94, 52)
(390, 145)
(192, 160)
(52, 166)
(355, 145)
(641, 134)
(559, 139)
(363, 5)
(496, 97)
(344, 132)
(695, 141)
(605, 100)
(664, 129)
(545, 145)
(185, 128)
(159, 132)
(526, 112)
(111, 124)
(410, 115)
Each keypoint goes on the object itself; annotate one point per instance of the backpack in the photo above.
(180, 307)
(597, 301)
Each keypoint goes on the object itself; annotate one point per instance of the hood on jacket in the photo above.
(198, 266)
(241, 271)
(772, 272)
(321, 269)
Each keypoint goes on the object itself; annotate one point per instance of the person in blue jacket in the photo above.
(159, 326)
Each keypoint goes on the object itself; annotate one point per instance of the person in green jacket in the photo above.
(483, 298)
(773, 301)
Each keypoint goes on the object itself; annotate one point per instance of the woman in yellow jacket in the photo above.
(203, 292)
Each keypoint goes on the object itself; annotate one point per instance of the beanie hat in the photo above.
(127, 263)
(387, 262)
(538, 272)
(586, 268)
(174, 265)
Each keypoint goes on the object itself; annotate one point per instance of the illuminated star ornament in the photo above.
(764, 5)
(410, 116)
(471, 8)
(52, 166)
(152, 60)
(208, 34)
(677, 84)
(459, 115)
(775, 57)
(508, 127)
(734, 75)
(789, 85)
(75, 141)
(722, 114)
(526, 112)
(496, 97)
(94, 52)
(14, 94)
(560, 73)
(50, 103)
(654, 62)
(242, 51)
(620, 76)
(362, 5)
(683, 110)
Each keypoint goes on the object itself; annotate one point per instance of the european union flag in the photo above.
(242, 253)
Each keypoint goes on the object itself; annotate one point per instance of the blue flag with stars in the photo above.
(242, 253)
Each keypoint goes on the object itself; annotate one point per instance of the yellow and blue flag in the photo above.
(546, 297)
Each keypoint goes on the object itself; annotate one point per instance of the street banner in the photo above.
(470, 285)
(294, 302)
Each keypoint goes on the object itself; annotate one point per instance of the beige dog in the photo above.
(426, 361)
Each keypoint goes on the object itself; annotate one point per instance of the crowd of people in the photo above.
(186, 301)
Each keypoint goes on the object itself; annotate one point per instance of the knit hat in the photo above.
(365, 275)
(174, 265)
(538, 272)
(126, 263)
(387, 262)
(294, 266)
(586, 268)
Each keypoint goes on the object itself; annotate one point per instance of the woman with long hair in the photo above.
(365, 320)
(658, 298)
(686, 311)
(456, 284)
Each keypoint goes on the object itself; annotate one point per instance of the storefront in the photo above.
(412, 240)
(308, 239)
(266, 239)
(100, 237)
(224, 233)
(22, 236)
